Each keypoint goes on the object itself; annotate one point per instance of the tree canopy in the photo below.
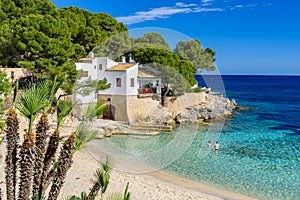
(150, 40)
(36, 35)
(167, 63)
(192, 50)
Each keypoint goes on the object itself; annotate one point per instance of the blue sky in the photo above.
(249, 36)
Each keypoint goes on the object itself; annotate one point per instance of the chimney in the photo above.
(123, 59)
(91, 55)
(130, 59)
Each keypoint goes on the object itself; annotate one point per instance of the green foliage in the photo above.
(64, 108)
(88, 86)
(126, 193)
(5, 89)
(103, 85)
(95, 110)
(84, 134)
(103, 179)
(40, 37)
(197, 89)
(31, 101)
(115, 196)
(83, 196)
(195, 53)
(176, 71)
(150, 40)
(114, 47)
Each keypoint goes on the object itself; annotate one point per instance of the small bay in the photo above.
(259, 153)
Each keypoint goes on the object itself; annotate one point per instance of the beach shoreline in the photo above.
(161, 184)
(148, 184)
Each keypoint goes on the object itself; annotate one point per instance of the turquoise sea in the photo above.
(259, 154)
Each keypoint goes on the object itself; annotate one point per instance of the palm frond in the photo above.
(64, 108)
(94, 110)
(126, 193)
(83, 196)
(103, 179)
(53, 87)
(107, 165)
(115, 196)
(84, 134)
(32, 100)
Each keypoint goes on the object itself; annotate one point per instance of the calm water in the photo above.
(259, 152)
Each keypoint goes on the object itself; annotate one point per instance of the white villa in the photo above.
(128, 80)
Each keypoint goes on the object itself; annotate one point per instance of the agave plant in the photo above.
(64, 108)
(30, 102)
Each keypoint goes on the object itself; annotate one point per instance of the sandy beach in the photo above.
(152, 185)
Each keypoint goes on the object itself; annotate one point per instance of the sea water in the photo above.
(259, 146)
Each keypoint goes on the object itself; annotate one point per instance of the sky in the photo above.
(254, 37)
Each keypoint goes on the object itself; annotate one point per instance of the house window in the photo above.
(85, 74)
(119, 82)
(132, 82)
(100, 66)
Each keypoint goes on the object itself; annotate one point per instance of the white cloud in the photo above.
(206, 1)
(244, 6)
(181, 8)
(183, 5)
(208, 10)
(164, 12)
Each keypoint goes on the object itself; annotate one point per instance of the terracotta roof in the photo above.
(85, 60)
(121, 67)
(145, 73)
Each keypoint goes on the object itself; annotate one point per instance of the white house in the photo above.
(126, 79)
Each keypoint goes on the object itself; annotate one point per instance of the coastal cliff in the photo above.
(189, 107)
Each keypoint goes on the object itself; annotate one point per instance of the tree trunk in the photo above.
(40, 149)
(94, 191)
(26, 163)
(64, 163)
(12, 126)
(49, 157)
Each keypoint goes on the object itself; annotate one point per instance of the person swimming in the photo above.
(209, 144)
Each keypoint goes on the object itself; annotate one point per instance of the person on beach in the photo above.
(216, 146)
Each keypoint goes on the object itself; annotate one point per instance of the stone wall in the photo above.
(18, 72)
(190, 107)
(177, 105)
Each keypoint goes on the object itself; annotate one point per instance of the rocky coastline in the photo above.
(189, 107)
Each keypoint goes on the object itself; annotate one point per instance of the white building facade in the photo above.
(122, 77)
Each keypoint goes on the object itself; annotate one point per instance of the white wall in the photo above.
(132, 73)
(112, 79)
(97, 74)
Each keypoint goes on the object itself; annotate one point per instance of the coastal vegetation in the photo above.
(177, 67)
(38, 36)
(32, 164)
(5, 89)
